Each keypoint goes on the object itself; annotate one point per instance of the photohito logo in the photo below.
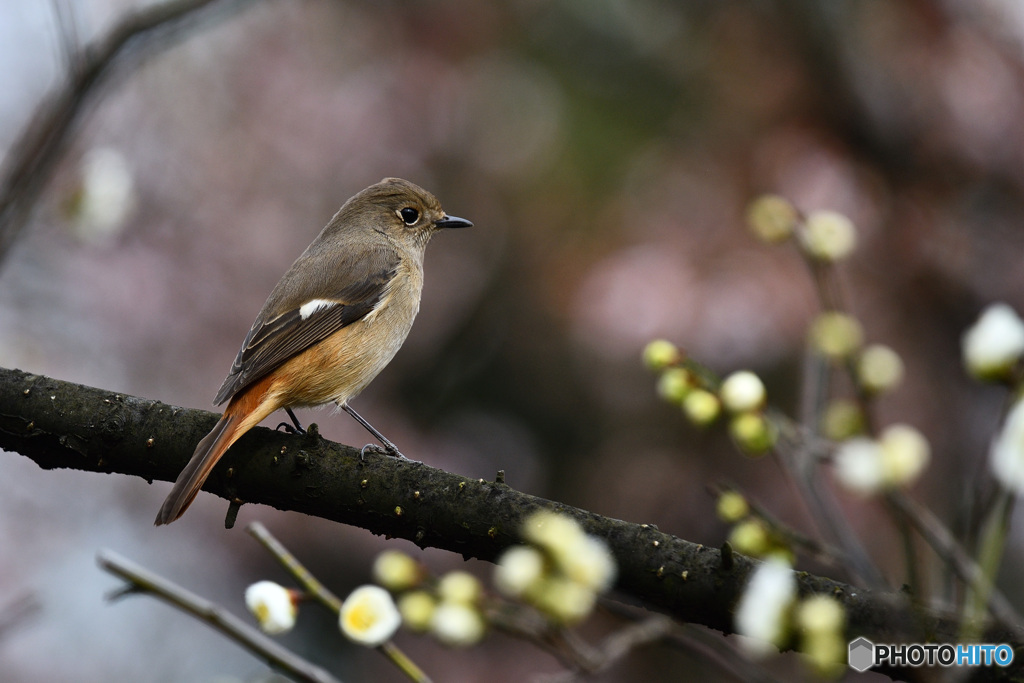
(864, 654)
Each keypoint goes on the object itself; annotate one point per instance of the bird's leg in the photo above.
(296, 429)
(389, 447)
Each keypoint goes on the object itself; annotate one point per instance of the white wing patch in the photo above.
(310, 307)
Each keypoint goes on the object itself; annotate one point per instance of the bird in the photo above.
(334, 321)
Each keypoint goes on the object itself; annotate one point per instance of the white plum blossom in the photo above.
(1007, 454)
(858, 465)
(369, 616)
(763, 611)
(273, 605)
(742, 391)
(828, 236)
(107, 194)
(897, 458)
(519, 568)
(993, 344)
(457, 624)
(460, 587)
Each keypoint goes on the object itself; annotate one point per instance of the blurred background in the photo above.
(606, 151)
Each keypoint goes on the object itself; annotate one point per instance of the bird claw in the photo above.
(383, 450)
(290, 429)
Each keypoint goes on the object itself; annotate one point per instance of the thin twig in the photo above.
(617, 645)
(317, 590)
(800, 463)
(824, 553)
(701, 641)
(935, 533)
(832, 297)
(795, 451)
(305, 578)
(67, 28)
(141, 580)
(907, 513)
(521, 621)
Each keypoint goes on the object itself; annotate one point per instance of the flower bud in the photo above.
(772, 218)
(752, 432)
(564, 600)
(828, 236)
(396, 571)
(457, 624)
(879, 369)
(821, 614)
(742, 391)
(905, 453)
(821, 620)
(459, 586)
(273, 606)
(994, 344)
(674, 384)
(732, 507)
(842, 420)
(660, 354)
(751, 538)
(702, 407)
(518, 569)
(836, 335)
(417, 609)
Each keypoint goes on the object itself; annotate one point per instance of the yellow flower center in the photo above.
(360, 617)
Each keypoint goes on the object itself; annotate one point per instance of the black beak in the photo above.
(452, 222)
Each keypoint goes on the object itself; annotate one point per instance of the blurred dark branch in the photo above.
(33, 157)
(63, 425)
(727, 654)
(143, 581)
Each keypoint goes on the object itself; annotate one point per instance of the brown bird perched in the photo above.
(335, 319)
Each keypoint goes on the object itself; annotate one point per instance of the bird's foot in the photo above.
(290, 429)
(295, 427)
(388, 450)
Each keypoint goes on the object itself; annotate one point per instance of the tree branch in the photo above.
(32, 159)
(60, 424)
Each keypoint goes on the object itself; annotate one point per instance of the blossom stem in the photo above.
(942, 541)
(320, 592)
(990, 555)
(909, 552)
(402, 661)
(305, 578)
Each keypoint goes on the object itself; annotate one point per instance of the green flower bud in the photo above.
(772, 218)
(660, 354)
(836, 335)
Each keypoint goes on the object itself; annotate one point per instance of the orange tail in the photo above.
(239, 417)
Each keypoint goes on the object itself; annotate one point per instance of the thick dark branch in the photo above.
(59, 424)
(32, 159)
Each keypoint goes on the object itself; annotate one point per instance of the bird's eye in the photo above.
(409, 215)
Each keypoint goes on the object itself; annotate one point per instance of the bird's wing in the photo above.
(296, 317)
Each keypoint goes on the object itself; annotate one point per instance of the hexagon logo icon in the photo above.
(862, 654)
